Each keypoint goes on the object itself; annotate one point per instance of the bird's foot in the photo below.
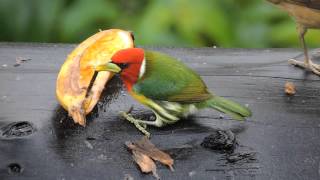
(137, 122)
(315, 68)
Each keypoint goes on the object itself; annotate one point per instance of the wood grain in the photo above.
(283, 133)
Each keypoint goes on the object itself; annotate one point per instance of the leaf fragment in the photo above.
(145, 153)
(290, 88)
(145, 163)
(146, 147)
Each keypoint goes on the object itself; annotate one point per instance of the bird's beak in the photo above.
(109, 67)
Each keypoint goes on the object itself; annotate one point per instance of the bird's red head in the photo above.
(128, 56)
(130, 61)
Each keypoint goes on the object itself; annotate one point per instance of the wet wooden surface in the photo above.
(283, 136)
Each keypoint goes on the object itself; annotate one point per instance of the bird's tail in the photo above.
(235, 110)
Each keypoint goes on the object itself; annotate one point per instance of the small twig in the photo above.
(94, 77)
(20, 60)
(130, 110)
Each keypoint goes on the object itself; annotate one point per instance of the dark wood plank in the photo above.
(283, 132)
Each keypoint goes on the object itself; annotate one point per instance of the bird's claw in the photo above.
(315, 68)
(139, 125)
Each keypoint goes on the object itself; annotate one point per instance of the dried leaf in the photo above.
(145, 163)
(289, 88)
(146, 147)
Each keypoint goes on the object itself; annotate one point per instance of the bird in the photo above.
(307, 16)
(166, 86)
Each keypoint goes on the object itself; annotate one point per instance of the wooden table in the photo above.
(283, 135)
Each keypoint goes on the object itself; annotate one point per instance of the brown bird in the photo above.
(307, 16)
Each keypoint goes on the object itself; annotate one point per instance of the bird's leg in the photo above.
(129, 111)
(307, 63)
(137, 122)
(141, 125)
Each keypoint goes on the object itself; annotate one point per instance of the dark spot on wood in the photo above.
(180, 153)
(15, 168)
(90, 138)
(220, 140)
(17, 129)
(246, 157)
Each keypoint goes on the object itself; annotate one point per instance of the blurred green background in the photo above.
(182, 23)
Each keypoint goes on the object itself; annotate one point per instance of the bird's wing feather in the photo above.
(167, 79)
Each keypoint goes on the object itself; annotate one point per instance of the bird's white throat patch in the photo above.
(142, 68)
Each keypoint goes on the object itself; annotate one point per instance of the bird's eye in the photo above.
(123, 65)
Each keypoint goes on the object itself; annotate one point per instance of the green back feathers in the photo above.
(167, 79)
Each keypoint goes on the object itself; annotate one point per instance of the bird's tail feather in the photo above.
(235, 110)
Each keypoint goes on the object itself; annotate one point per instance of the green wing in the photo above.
(167, 79)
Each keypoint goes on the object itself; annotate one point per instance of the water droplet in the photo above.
(192, 173)
(102, 157)
(88, 144)
(128, 177)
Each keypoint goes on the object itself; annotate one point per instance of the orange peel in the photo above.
(78, 70)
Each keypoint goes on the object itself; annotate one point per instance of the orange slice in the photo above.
(78, 70)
